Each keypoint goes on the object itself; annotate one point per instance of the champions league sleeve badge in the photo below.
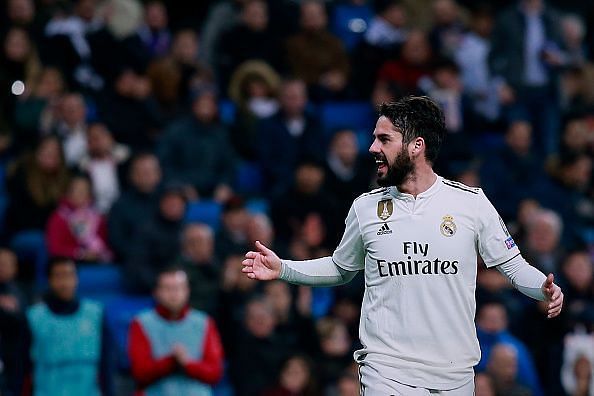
(447, 226)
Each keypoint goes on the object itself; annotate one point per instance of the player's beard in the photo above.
(401, 168)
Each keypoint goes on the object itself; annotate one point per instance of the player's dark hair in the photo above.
(57, 261)
(417, 116)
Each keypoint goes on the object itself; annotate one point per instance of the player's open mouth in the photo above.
(381, 164)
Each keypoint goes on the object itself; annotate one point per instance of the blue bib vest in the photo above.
(66, 350)
(163, 335)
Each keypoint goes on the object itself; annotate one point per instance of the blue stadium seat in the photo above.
(227, 111)
(248, 179)
(256, 206)
(119, 313)
(100, 282)
(207, 212)
(351, 115)
(350, 22)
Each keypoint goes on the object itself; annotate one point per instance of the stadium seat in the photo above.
(351, 115)
(119, 313)
(248, 180)
(207, 212)
(350, 22)
(227, 111)
(100, 282)
(257, 206)
(30, 246)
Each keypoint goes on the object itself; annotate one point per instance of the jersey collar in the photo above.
(427, 193)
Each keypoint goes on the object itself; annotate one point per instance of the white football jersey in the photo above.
(420, 261)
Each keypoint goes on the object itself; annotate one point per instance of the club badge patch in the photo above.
(385, 208)
(447, 226)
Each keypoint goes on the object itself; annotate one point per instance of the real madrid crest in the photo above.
(447, 226)
(385, 208)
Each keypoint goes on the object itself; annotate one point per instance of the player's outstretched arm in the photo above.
(553, 296)
(263, 264)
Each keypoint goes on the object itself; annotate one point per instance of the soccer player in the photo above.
(417, 240)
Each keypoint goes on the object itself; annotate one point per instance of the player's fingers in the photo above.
(247, 270)
(251, 275)
(248, 262)
(549, 281)
(251, 255)
(554, 313)
(556, 293)
(555, 304)
(263, 248)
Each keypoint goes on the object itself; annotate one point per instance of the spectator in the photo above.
(254, 90)
(578, 276)
(483, 385)
(158, 242)
(138, 202)
(174, 349)
(257, 345)
(388, 28)
(514, 172)
(260, 228)
(202, 267)
(292, 128)
(35, 184)
(69, 346)
(130, 111)
(335, 350)
(12, 309)
(577, 373)
(222, 17)
(196, 149)
(154, 33)
(76, 229)
(542, 240)
(71, 127)
(573, 33)
(348, 385)
(232, 236)
(448, 28)
(492, 330)
(526, 68)
(503, 368)
(576, 136)
(412, 64)
(103, 164)
(348, 173)
(251, 39)
(472, 56)
(317, 56)
(296, 378)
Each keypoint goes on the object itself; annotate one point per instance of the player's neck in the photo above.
(419, 180)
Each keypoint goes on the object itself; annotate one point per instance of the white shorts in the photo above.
(373, 384)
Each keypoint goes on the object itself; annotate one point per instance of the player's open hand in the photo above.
(262, 265)
(553, 297)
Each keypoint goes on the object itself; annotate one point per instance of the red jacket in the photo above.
(147, 370)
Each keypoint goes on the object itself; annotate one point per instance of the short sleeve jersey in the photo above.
(420, 261)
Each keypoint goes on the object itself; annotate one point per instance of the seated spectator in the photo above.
(158, 242)
(514, 172)
(254, 90)
(413, 63)
(448, 27)
(154, 33)
(503, 368)
(294, 129)
(388, 28)
(251, 39)
(71, 127)
(76, 229)
(578, 279)
(69, 347)
(257, 344)
(348, 385)
(492, 330)
(483, 385)
(232, 236)
(12, 315)
(317, 56)
(335, 350)
(260, 228)
(196, 150)
(296, 378)
(103, 164)
(201, 265)
(174, 349)
(130, 111)
(577, 372)
(35, 185)
(543, 249)
(348, 173)
(138, 202)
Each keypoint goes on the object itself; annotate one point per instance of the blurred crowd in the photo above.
(151, 143)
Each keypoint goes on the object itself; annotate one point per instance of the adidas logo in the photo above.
(384, 229)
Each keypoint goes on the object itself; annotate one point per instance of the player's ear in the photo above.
(418, 145)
